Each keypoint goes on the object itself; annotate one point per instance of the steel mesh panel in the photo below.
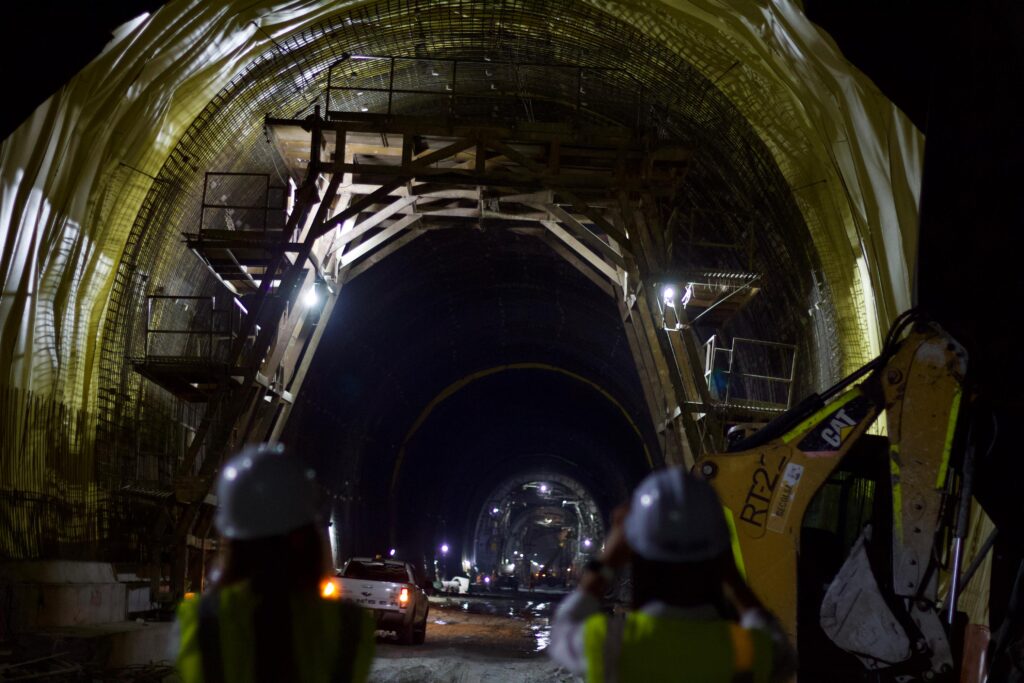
(735, 180)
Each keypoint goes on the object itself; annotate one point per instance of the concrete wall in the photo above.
(47, 594)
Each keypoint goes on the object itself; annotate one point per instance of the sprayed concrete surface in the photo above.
(475, 640)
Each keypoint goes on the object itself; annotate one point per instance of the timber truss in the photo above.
(371, 184)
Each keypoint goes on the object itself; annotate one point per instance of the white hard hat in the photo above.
(262, 492)
(676, 517)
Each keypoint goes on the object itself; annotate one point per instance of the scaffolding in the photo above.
(750, 374)
(243, 226)
(484, 89)
(188, 343)
(574, 156)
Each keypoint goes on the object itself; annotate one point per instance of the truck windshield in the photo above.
(376, 571)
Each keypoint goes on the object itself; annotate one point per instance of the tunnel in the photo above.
(539, 377)
(481, 266)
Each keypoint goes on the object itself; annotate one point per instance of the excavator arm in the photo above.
(767, 483)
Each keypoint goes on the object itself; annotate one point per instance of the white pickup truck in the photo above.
(389, 589)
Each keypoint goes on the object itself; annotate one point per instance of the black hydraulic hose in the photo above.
(975, 564)
(795, 415)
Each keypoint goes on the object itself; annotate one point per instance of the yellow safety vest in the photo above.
(332, 640)
(645, 648)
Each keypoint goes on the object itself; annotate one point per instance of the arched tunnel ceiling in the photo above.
(91, 179)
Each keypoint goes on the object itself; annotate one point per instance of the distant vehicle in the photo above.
(389, 589)
(457, 584)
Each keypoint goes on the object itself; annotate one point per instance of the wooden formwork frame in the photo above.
(602, 220)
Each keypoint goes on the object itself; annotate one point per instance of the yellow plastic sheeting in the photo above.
(852, 158)
(73, 176)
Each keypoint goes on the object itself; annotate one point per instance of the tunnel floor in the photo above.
(476, 639)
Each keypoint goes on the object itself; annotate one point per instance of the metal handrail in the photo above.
(452, 91)
(266, 207)
(234, 313)
(711, 349)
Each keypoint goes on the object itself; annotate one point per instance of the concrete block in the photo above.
(107, 646)
(57, 571)
(59, 593)
(147, 644)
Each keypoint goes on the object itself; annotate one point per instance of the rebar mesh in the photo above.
(735, 181)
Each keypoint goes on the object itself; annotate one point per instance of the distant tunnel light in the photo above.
(543, 488)
(668, 295)
(494, 511)
(391, 553)
(310, 297)
(444, 548)
(587, 543)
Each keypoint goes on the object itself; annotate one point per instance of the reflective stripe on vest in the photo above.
(665, 649)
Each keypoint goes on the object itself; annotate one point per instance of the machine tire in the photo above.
(420, 634)
(407, 634)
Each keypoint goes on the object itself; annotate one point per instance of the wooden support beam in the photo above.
(563, 183)
(376, 257)
(418, 164)
(597, 217)
(685, 348)
(653, 394)
(559, 248)
(384, 235)
(584, 232)
(644, 252)
(357, 207)
(301, 363)
(539, 198)
(376, 219)
(539, 171)
(667, 370)
(577, 246)
(448, 151)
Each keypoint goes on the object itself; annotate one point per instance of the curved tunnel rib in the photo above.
(130, 180)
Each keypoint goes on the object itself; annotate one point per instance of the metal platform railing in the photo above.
(191, 327)
(482, 89)
(751, 373)
(242, 203)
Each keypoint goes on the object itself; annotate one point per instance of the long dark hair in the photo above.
(295, 562)
(277, 569)
(685, 584)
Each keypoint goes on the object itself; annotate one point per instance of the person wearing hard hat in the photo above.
(273, 613)
(694, 617)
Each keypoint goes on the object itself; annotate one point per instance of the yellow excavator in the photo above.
(880, 608)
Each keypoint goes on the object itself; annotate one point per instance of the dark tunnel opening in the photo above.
(411, 426)
(634, 232)
(536, 529)
(529, 423)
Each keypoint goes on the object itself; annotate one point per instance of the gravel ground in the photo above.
(474, 641)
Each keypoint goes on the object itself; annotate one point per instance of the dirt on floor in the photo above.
(474, 641)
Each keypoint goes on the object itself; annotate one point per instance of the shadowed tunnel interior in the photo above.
(457, 302)
(483, 265)
(460, 362)
(463, 297)
(501, 318)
